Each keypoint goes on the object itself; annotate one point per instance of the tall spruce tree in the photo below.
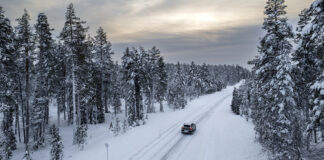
(25, 43)
(151, 68)
(128, 85)
(40, 109)
(162, 83)
(204, 79)
(178, 89)
(275, 113)
(193, 81)
(102, 51)
(8, 85)
(133, 73)
(304, 70)
(73, 36)
(116, 95)
(316, 41)
(58, 80)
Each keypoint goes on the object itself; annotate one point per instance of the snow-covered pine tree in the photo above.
(161, 83)
(128, 85)
(7, 142)
(37, 116)
(40, 109)
(151, 76)
(204, 79)
(87, 94)
(45, 55)
(275, 119)
(193, 81)
(116, 95)
(236, 101)
(93, 95)
(73, 36)
(245, 94)
(178, 89)
(58, 80)
(316, 32)
(27, 156)
(139, 79)
(8, 84)
(102, 55)
(25, 43)
(125, 126)
(80, 136)
(56, 144)
(304, 72)
(133, 80)
(117, 127)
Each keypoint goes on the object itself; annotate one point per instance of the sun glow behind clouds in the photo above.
(196, 18)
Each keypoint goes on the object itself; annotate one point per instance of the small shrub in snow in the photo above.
(80, 135)
(111, 126)
(56, 144)
(125, 126)
(117, 127)
(27, 156)
(236, 101)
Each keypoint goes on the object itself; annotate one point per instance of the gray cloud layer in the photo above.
(211, 31)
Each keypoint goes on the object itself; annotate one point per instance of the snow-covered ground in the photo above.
(220, 135)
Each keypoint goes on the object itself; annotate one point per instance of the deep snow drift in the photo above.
(220, 135)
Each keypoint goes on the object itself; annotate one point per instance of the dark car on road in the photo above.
(188, 128)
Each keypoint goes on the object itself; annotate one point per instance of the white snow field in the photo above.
(220, 135)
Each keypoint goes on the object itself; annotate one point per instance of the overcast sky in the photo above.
(211, 31)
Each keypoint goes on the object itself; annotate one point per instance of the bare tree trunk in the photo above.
(102, 96)
(65, 104)
(17, 123)
(315, 136)
(152, 96)
(59, 102)
(307, 143)
(27, 97)
(307, 119)
(126, 104)
(46, 109)
(22, 109)
(106, 102)
(74, 97)
(161, 107)
(78, 109)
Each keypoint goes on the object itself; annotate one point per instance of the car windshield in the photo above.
(186, 125)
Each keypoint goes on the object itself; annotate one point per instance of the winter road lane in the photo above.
(221, 136)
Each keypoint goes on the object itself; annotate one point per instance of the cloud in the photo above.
(227, 46)
(212, 31)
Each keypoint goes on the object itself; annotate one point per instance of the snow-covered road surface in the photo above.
(220, 136)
